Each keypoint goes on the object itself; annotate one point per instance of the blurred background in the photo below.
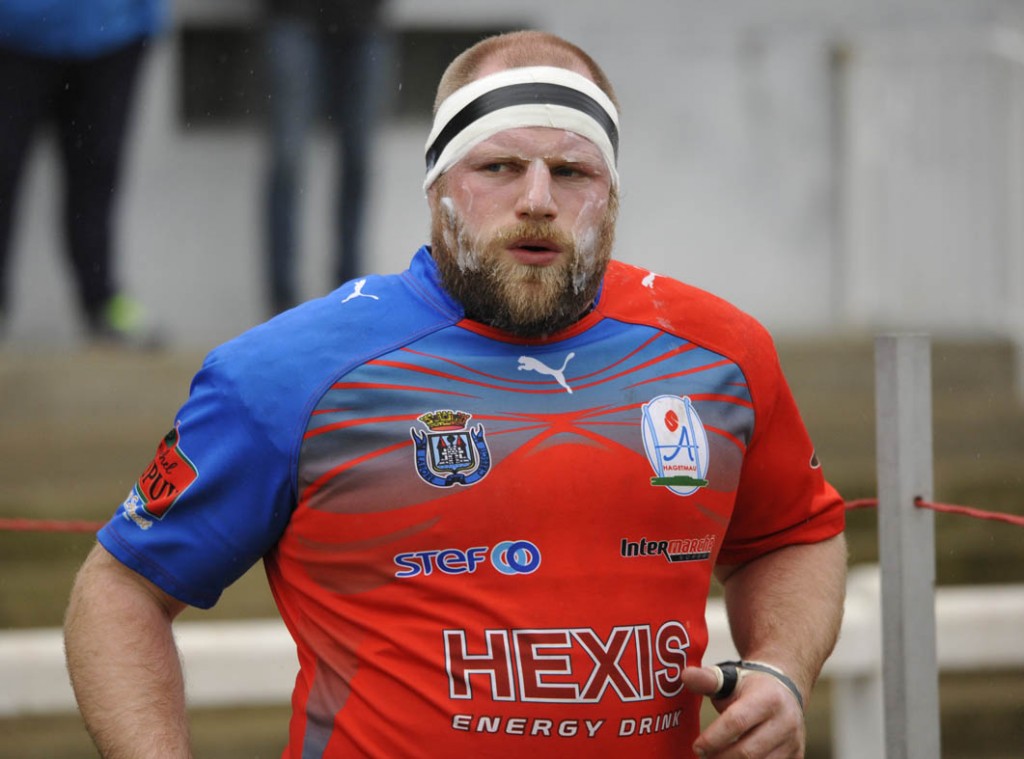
(828, 166)
(839, 170)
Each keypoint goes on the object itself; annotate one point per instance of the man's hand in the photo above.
(760, 719)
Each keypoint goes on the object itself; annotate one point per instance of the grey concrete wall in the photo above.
(735, 166)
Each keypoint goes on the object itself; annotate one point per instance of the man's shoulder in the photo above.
(637, 295)
(330, 335)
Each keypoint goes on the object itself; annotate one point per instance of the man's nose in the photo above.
(535, 199)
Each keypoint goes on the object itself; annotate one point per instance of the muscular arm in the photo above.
(123, 663)
(785, 609)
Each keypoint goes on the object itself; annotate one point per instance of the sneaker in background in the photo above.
(122, 323)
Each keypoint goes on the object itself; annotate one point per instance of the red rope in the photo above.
(48, 525)
(866, 503)
(969, 512)
(862, 503)
(57, 525)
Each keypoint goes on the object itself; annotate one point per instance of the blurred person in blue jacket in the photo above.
(332, 55)
(75, 64)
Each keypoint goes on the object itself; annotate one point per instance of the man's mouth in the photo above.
(534, 245)
(535, 251)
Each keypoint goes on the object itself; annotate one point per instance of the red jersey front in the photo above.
(499, 546)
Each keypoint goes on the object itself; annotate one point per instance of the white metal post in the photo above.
(906, 542)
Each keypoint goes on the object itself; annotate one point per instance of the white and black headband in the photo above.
(535, 96)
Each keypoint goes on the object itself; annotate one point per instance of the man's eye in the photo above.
(566, 171)
(495, 168)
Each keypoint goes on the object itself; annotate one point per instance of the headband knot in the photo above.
(534, 96)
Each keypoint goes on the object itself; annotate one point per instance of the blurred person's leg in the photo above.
(360, 62)
(292, 67)
(93, 117)
(26, 87)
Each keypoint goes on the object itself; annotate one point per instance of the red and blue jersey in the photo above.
(481, 544)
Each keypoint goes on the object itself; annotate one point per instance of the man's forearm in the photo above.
(785, 608)
(123, 662)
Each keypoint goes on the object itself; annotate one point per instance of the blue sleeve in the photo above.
(221, 488)
(216, 496)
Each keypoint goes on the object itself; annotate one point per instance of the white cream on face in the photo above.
(455, 237)
(538, 184)
(539, 165)
(587, 239)
(528, 175)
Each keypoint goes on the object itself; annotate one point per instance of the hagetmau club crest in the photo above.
(450, 453)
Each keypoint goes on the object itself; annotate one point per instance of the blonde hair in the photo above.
(518, 50)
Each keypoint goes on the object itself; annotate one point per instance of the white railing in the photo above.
(253, 662)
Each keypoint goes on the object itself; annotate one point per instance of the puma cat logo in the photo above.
(358, 292)
(530, 364)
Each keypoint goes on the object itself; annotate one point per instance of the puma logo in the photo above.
(530, 364)
(358, 292)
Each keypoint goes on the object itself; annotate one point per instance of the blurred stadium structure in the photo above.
(867, 156)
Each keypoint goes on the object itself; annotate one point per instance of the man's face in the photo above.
(522, 228)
